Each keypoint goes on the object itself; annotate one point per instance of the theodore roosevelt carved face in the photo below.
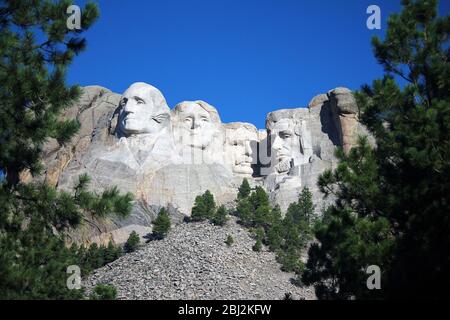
(240, 147)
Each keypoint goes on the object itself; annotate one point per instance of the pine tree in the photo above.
(220, 217)
(36, 49)
(275, 236)
(210, 204)
(112, 253)
(290, 260)
(392, 201)
(259, 198)
(244, 190)
(257, 246)
(161, 225)
(306, 205)
(204, 207)
(275, 215)
(132, 242)
(244, 212)
(104, 292)
(198, 212)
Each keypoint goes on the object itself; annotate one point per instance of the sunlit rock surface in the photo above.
(167, 157)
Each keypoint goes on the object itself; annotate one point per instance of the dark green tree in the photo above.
(220, 217)
(392, 201)
(204, 207)
(112, 252)
(104, 292)
(275, 215)
(259, 198)
(244, 212)
(257, 246)
(132, 242)
(275, 235)
(244, 190)
(290, 260)
(229, 241)
(161, 225)
(36, 48)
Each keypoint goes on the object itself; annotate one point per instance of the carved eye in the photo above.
(285, 135)
(161, 117)
(205, 119)
(187, 119)
(139, 100)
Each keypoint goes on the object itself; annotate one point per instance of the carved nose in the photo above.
(277, 145)
(248, 148)
(128, 107)
(195, 124)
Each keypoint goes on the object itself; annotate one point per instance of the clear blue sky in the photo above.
(246, 57)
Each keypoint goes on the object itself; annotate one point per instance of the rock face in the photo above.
(194, 263)
(168, 157)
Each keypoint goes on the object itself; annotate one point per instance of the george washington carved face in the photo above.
(143, 110)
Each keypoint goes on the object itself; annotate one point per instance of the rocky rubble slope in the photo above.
(193, 262)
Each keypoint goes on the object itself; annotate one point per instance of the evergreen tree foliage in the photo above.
(275, 236)
(244, 212)
(229, 241)
(132, 242)
(257, 246)
(36, 48)
(289, 236)
(259, 198)
(220, 217)
(290, 260)
(244, 190)
(161, 225)
(392, 201)
(204, 207)
(104, 292)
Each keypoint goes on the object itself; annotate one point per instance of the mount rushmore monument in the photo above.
(167, 157)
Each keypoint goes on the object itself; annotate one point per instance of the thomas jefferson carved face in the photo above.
(143, 110)
(240, 147)
(196, 123)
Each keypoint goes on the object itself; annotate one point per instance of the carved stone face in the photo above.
(196, 123)
(285, 144)
(240, 147)
(143, 110)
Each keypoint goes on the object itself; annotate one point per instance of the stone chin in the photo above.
(196, 141)
(244, 169)
(283, 166)
(132, 126)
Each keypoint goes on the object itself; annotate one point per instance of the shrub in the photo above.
(257, 246)
(244, 190)
(104, 292)
(220, 217)
(132, 242)
(229, 240)
(161, 225)
(204, 207)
